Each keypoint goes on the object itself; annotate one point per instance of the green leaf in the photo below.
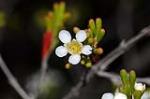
(125, 89)
(98, 23)
(92, 27)
(49, 21)
(98, 29)
(100, 35)
(59, 11)
(124, 77)
(132, 79)
(137, 94)
(99, 32)
(55, 20)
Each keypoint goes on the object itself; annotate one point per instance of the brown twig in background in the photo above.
(106, 61)
(75, 89)
(13, 81)
(44, 67)
(96, 69)
(115, 78)
(121, 49)
(145, 80)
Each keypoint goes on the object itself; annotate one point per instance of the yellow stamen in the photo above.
(74, 47)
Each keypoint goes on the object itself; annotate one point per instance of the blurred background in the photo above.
(21, 43)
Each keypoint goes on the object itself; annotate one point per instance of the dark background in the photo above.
(21, 40)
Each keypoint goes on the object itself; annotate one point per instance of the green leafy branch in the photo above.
(56, 18)
(96, 32)
(128, 84)
(100, 68)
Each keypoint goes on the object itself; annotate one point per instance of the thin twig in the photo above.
(75, 90)
(44, 67)
(115, 78)
(13, 81)
(106, 61)
(144, 80)
(121, 49)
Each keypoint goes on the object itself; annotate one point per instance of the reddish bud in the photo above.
(47, 43)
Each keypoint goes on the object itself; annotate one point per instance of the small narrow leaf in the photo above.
(98, 24)
(99, 31)
(132, 78)
(124, 77)
(100, 35)
(92, 26)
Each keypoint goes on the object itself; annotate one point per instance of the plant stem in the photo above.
(13, 81)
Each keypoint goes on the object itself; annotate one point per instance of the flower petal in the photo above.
(107, 96)
(81, 36)
(139, 86)
(61, 51)
(64, 36)
(74, 59)
(120, 96)
(146, 95)
(87, 50)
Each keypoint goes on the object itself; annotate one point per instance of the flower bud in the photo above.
(98, 51)
(68, 66)
(88, 64)
(139, 86)
(90, 40)
(83, 62)
(76, 29)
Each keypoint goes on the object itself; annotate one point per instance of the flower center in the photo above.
(74, 47)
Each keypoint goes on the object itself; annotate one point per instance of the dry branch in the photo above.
(103, 64)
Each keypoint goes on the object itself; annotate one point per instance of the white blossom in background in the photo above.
(107, 96)
(117, 95)
(73, 46)
(139, 86)
(120, 96)
(146, 95)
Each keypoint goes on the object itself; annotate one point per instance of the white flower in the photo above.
(139, 86)
(73, 46)
(120, 96)
(117, 95)
(146, 95)
(107, 96)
